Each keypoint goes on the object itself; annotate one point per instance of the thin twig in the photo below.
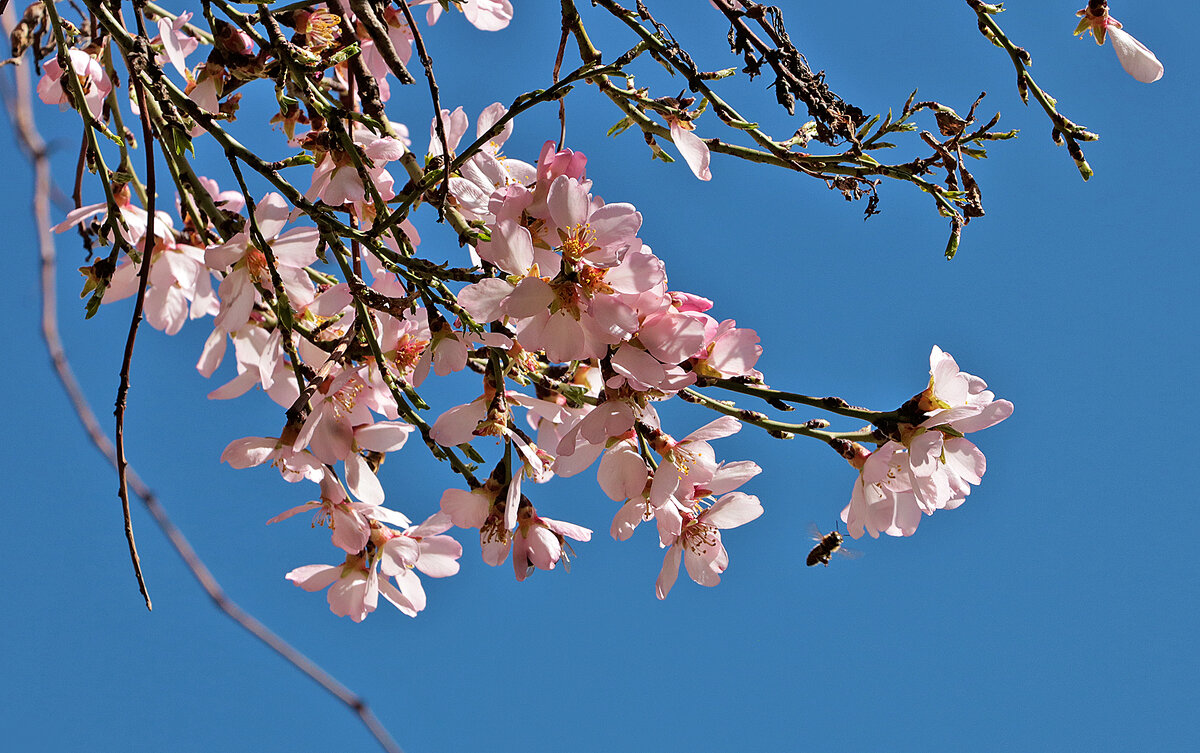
(1065, 130)
(148, 245)
(427, 63)
(562, 102)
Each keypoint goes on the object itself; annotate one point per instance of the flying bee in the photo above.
(827, 544)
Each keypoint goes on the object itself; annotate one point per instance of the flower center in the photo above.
(256, 264)
(408, 350)
(577, 242)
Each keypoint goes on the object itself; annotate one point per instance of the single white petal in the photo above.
(1137, 59)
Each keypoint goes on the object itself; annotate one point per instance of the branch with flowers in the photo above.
(336, 312)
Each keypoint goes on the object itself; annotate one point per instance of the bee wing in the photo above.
(565, 556)
(815, 532)
(850, 554)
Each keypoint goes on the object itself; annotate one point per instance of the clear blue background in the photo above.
(1054, 611)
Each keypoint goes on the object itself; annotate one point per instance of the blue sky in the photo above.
(1054, 610)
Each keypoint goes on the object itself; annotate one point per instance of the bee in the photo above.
(827, 544)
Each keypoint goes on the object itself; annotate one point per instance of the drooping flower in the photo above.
(293, 466)
(355, 586)
(883, 500)
(538, 542)
(692, 147)
(1137, 59)
(349, 521)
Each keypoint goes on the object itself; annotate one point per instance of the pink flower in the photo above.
(934, 466)
(178, 278)
(488, 172)
(424, 548)
(589, 230)
(957, 399)
(353, 589)
(245, 265)
(454, 124)
(494, 515)
(883, 500)
(485, 15)
(699, 542)
(538, 542)
(402, 41)
(90, 74)
(693, 458)
(336, 181)
(260, 361)
(404, 343)
(205, 89)
(355, 586)
(728, 351)
(1137, 59)
(293, 466)
(349, 521)
(134, 217)
(380, 437)
(328, 431)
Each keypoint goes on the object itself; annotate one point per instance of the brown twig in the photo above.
(35, 149)
(427, 63)
(562, 102)
(835, 118)
(377, 30)
(148, 245)
(283, 307)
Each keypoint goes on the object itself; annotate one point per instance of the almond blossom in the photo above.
(957, 400)
(402, 42)
(883, 500)
(260, 361)
(355, 587)
(336, 180)
(245, 265)
(249, 452)
(349, 521)
(538, 542)
(179, 286)
(488, 171)
(699, 544)
(88, 72)
(422, 547)
(933, 466)
(132, 220)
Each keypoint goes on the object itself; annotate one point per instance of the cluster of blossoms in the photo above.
(565, 314)
(581, 299)
(932, 466)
